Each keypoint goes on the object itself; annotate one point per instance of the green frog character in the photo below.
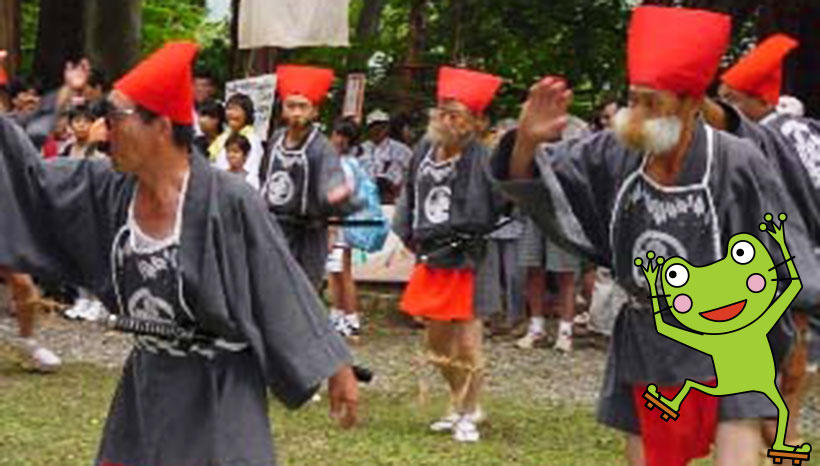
(728, 308)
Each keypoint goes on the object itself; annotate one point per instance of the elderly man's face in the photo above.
(452, 124)
(132, 140)
(654, 121)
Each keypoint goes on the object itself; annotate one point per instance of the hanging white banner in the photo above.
(293, 23)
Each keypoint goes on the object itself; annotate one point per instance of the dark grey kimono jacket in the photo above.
(803, 135)
(592, 197)
(300, 203)
(792, 150)
(471, 207)
(59, 219)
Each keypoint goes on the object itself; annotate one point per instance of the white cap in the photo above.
(377, 116)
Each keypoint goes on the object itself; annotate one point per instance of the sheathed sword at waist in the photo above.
(332, 221)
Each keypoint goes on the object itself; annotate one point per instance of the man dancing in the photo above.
(169, 242)
(447, 195)
(664, 181)
(304, 183)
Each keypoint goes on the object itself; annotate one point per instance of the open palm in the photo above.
(544, 115)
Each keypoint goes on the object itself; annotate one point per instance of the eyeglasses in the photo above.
(113, 114)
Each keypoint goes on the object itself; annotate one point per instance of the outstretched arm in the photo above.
(691, 339)
(779, 306)
(56, 218)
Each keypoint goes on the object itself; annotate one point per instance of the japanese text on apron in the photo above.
(670, 220)
(148, 285)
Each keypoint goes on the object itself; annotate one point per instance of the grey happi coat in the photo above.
(59, 220)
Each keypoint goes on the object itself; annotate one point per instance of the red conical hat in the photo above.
(472, 88)
(308, 81)
(676, 49)
(760, 73)
(163, 82)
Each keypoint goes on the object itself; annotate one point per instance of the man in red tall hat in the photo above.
(662, 181)
(445, 209)
(749, 93)
(189, 260)
(304, 181)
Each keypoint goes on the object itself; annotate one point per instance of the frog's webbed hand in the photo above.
(659, 303)
(782, 302)
(651, 274)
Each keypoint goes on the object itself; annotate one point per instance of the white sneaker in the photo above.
(342, 327)
(529, 340)
(92, 312)
(40, 358)
(445, 424)
(354, 327)
(477, 416)
(581, 319)
(564, 342)
(78, 309)
(465, 430)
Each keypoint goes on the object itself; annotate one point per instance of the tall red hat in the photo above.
(307, 81)
(760, 73)
(163, 82)
(676, 49)
(472, 88)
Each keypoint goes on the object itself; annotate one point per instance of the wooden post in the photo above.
(10, 33)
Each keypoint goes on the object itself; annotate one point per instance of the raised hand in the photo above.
(544, 114)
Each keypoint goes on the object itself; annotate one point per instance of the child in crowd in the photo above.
(237, 148)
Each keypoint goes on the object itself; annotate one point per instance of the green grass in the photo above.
(57, 420)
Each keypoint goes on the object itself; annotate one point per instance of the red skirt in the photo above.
(675, 443)
(439, 294)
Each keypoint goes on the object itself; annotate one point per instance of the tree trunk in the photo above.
(412, 63)
(235, 56)
(59, 39)
(10, 33)
(367, 28)
(113, 34)
(369, 19)
(457, 7)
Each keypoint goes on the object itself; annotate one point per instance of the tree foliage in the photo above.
(519, 40)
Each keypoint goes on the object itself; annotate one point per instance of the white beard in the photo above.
(657, 135)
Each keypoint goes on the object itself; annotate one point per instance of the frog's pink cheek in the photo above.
(682, 303)
(756, 283)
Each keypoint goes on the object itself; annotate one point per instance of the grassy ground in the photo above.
(57, 420)
(540, 406)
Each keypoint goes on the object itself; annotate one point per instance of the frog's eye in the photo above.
(677, 275)
(743, 252)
